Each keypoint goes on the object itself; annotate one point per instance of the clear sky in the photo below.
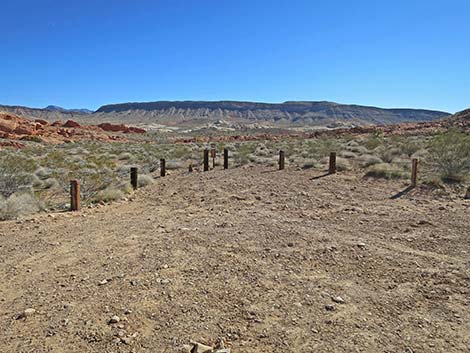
(83, 54)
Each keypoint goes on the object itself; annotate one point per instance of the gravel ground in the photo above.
(264, 260)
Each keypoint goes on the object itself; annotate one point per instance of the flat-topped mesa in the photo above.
(310, 113)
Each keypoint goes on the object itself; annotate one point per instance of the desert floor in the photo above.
(253, 256)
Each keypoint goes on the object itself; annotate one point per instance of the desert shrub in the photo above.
(367, 160)
(43, 173)
(109, 194)
(342, 164)
(449, 153)
(324, 146)
(17, 205)
(384, 170)
(243, 152)
(16, 173)
(374, 140)
(144, 180)
(409, 147)
(358, 149)
(387, 154)
(125, 156)
(50, 183)
(173, 164)
(347, 154)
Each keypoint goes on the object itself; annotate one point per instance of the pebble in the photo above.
(361, 245)
(338, 300)
(114, 320)
(329, 307)
(201, 348)
(28, 312)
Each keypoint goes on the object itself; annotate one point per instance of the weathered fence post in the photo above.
(162, 167)
(206, 160)
(225, 158)
(134, 177)
(281, 160)
(332, 166)
(74, 195)
(414, 171)
(213, 155)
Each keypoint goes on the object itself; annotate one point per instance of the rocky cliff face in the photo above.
(308, 113)
(288, 113)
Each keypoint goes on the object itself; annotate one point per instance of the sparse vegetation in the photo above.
(450, 155)
(44, 171)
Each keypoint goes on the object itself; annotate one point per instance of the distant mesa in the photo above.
(55, 108)
(289, 113)
(301, 113)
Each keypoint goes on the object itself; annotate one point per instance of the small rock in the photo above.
(200, 348)
(126, 340)
(186, 348)
(27, 313)
(329, 307)
(338, 300)
(114, 320)
(361, 245)
(103, 282)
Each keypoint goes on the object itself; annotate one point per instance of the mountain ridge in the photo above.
(321, 113)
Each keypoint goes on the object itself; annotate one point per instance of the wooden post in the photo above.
(213, 155)
(190, 168)
(414, 171)
(467, 194)
(134, 177)
(74, 195)
(225, 158)
(206, 160)
(162, 167)
(332, 167)
(281, 160)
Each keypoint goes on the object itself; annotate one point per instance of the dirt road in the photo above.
(269, 261)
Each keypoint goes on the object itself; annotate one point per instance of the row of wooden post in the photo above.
(213, 155)
(75, 184)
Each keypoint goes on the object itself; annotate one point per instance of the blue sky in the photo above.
(88, 53)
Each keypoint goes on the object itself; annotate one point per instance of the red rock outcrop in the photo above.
(121, 128)
(14, 127)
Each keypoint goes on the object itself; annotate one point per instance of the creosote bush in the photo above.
(450, 155)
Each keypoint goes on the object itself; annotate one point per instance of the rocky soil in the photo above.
(264, 260)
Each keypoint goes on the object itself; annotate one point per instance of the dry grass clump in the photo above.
(367, 160)
(17, 205)
(144, 180)
(109, 194)
(384, 170)
(347, 154)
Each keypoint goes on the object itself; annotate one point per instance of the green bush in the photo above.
(449, 153)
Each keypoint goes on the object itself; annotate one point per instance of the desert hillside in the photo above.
(259, 259)
(232, 112)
